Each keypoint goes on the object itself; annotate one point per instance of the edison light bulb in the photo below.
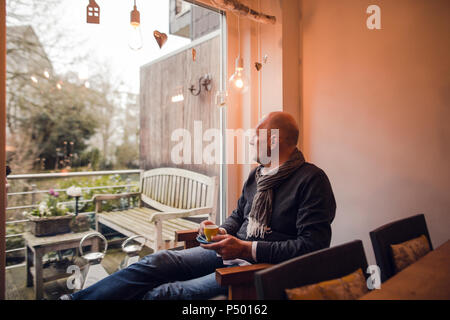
(135, 37)
(238, 80)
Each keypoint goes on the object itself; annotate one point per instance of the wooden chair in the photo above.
(167, 195)
(393, 233)
(318, 266)
(240, 280)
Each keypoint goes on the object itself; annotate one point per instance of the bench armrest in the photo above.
(161, 216)
(239, 275)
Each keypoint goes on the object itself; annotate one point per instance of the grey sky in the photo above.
(108, 41)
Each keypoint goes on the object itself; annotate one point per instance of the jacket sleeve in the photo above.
(316, 211)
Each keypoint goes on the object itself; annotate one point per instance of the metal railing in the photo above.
(44, 176)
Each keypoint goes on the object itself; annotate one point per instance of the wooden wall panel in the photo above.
(160, 116)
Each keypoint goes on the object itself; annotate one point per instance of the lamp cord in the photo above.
(239, 36)
(238, 16)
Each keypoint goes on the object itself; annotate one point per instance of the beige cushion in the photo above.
(407, 252)
(350, 287)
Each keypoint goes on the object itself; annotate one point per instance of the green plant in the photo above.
(90, 157)
(50, 207)
(88, 182)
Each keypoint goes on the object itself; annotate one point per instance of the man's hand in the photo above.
(207, 222)
(230, 247)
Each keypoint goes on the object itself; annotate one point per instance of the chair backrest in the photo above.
(392, 233)
(318, 266)
(174, 189)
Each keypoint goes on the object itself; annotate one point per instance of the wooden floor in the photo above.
(16, 288)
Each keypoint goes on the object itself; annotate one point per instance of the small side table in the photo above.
(37, 247)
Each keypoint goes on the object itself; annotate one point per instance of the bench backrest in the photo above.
(174, 189)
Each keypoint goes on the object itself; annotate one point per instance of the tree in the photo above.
(36, 100)
(65, 121)
(127, 154)
(106, 107)
(53, 118)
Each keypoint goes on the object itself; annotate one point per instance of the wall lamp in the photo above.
(205, 82)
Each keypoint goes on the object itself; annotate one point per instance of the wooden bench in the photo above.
(167, 195)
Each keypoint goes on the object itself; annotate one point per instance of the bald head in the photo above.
(285, 123)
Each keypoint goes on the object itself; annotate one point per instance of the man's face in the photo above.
(260, 144)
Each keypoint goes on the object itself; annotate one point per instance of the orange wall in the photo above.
(376, 111)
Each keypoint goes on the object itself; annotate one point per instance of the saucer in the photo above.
(202, 239)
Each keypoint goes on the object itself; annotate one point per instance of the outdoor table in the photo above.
(427, 278)
(37, 247)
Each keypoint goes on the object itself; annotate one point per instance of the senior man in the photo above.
(285, 210)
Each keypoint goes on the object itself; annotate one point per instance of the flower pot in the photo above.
(49, 226)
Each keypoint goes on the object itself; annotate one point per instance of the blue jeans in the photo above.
(169, 274)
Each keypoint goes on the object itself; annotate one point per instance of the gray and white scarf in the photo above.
(261, 211)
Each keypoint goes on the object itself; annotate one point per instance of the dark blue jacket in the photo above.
(303, 208)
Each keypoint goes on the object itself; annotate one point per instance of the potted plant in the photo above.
(50, 218)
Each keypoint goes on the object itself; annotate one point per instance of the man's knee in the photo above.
(157, 259)
(172, 257)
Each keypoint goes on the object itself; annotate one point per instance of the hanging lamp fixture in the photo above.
(135, 41)
(238, 81)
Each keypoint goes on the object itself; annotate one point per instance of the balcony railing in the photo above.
(44, 176)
